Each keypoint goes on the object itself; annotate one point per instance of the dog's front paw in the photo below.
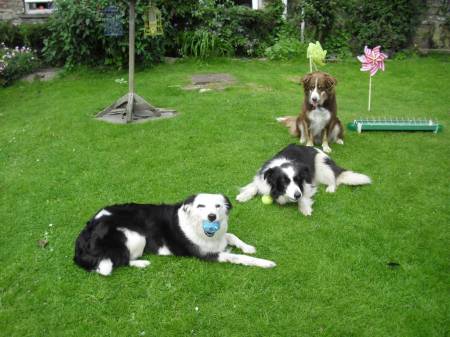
(326, 148)
(266, 263)
(248, 249)
(242, 197)
(331, 189)
(309, 143)
(302, 140)
(139, 263)
(306, 210)
(340, 141)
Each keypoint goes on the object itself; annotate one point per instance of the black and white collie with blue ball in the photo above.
(119, 235)
(293, 174)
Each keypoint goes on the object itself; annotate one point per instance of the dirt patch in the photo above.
(215, 81)
(42, 75)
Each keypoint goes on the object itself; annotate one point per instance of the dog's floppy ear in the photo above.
(330, 81)
(269, 173)
(306, 80)
(303, 173)
(187, 204)
(227, 202)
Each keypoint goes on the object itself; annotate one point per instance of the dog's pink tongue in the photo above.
(314, 104)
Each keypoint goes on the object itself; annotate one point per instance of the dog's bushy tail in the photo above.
(291, 123)
(352, 178)
(347, 177)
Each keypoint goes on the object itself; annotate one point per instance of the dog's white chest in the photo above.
(319, 119)
(135, 242)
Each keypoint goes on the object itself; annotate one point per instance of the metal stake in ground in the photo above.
(132, 108)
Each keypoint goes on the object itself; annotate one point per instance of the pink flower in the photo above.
(372, 60)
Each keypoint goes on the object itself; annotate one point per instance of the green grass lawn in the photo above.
(59, 166)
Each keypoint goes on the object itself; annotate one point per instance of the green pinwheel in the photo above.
(316, 55)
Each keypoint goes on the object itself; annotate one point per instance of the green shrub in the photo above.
(237, 30)
(287, 46)
(390, 24)
(251, 31)
(15, 63)
(77, 36)
(338, 43)
(9, 34)
(345, 26)
(320, 16)
(31, 35)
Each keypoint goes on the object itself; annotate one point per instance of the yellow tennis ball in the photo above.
(266, 199)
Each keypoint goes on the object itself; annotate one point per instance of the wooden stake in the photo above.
(131, 35)
(370, 90)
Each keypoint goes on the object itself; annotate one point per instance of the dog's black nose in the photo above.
(211, 217)
(314, 99)
(297, 195)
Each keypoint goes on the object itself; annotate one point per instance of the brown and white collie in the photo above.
(317, 122)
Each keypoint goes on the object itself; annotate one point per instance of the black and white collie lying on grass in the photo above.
(293, 174)
(118, 235)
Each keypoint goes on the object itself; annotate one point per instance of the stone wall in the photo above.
(11, 9)
(14, 11)
(434, 29)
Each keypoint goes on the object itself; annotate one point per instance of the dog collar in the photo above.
(210, 227)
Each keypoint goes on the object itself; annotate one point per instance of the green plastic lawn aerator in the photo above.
(373, 124)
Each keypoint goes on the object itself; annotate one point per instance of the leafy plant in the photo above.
(287, 46)
(203, 44)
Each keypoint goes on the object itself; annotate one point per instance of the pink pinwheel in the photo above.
(372, 60)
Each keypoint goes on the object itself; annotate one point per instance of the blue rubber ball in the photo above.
(210, 227)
